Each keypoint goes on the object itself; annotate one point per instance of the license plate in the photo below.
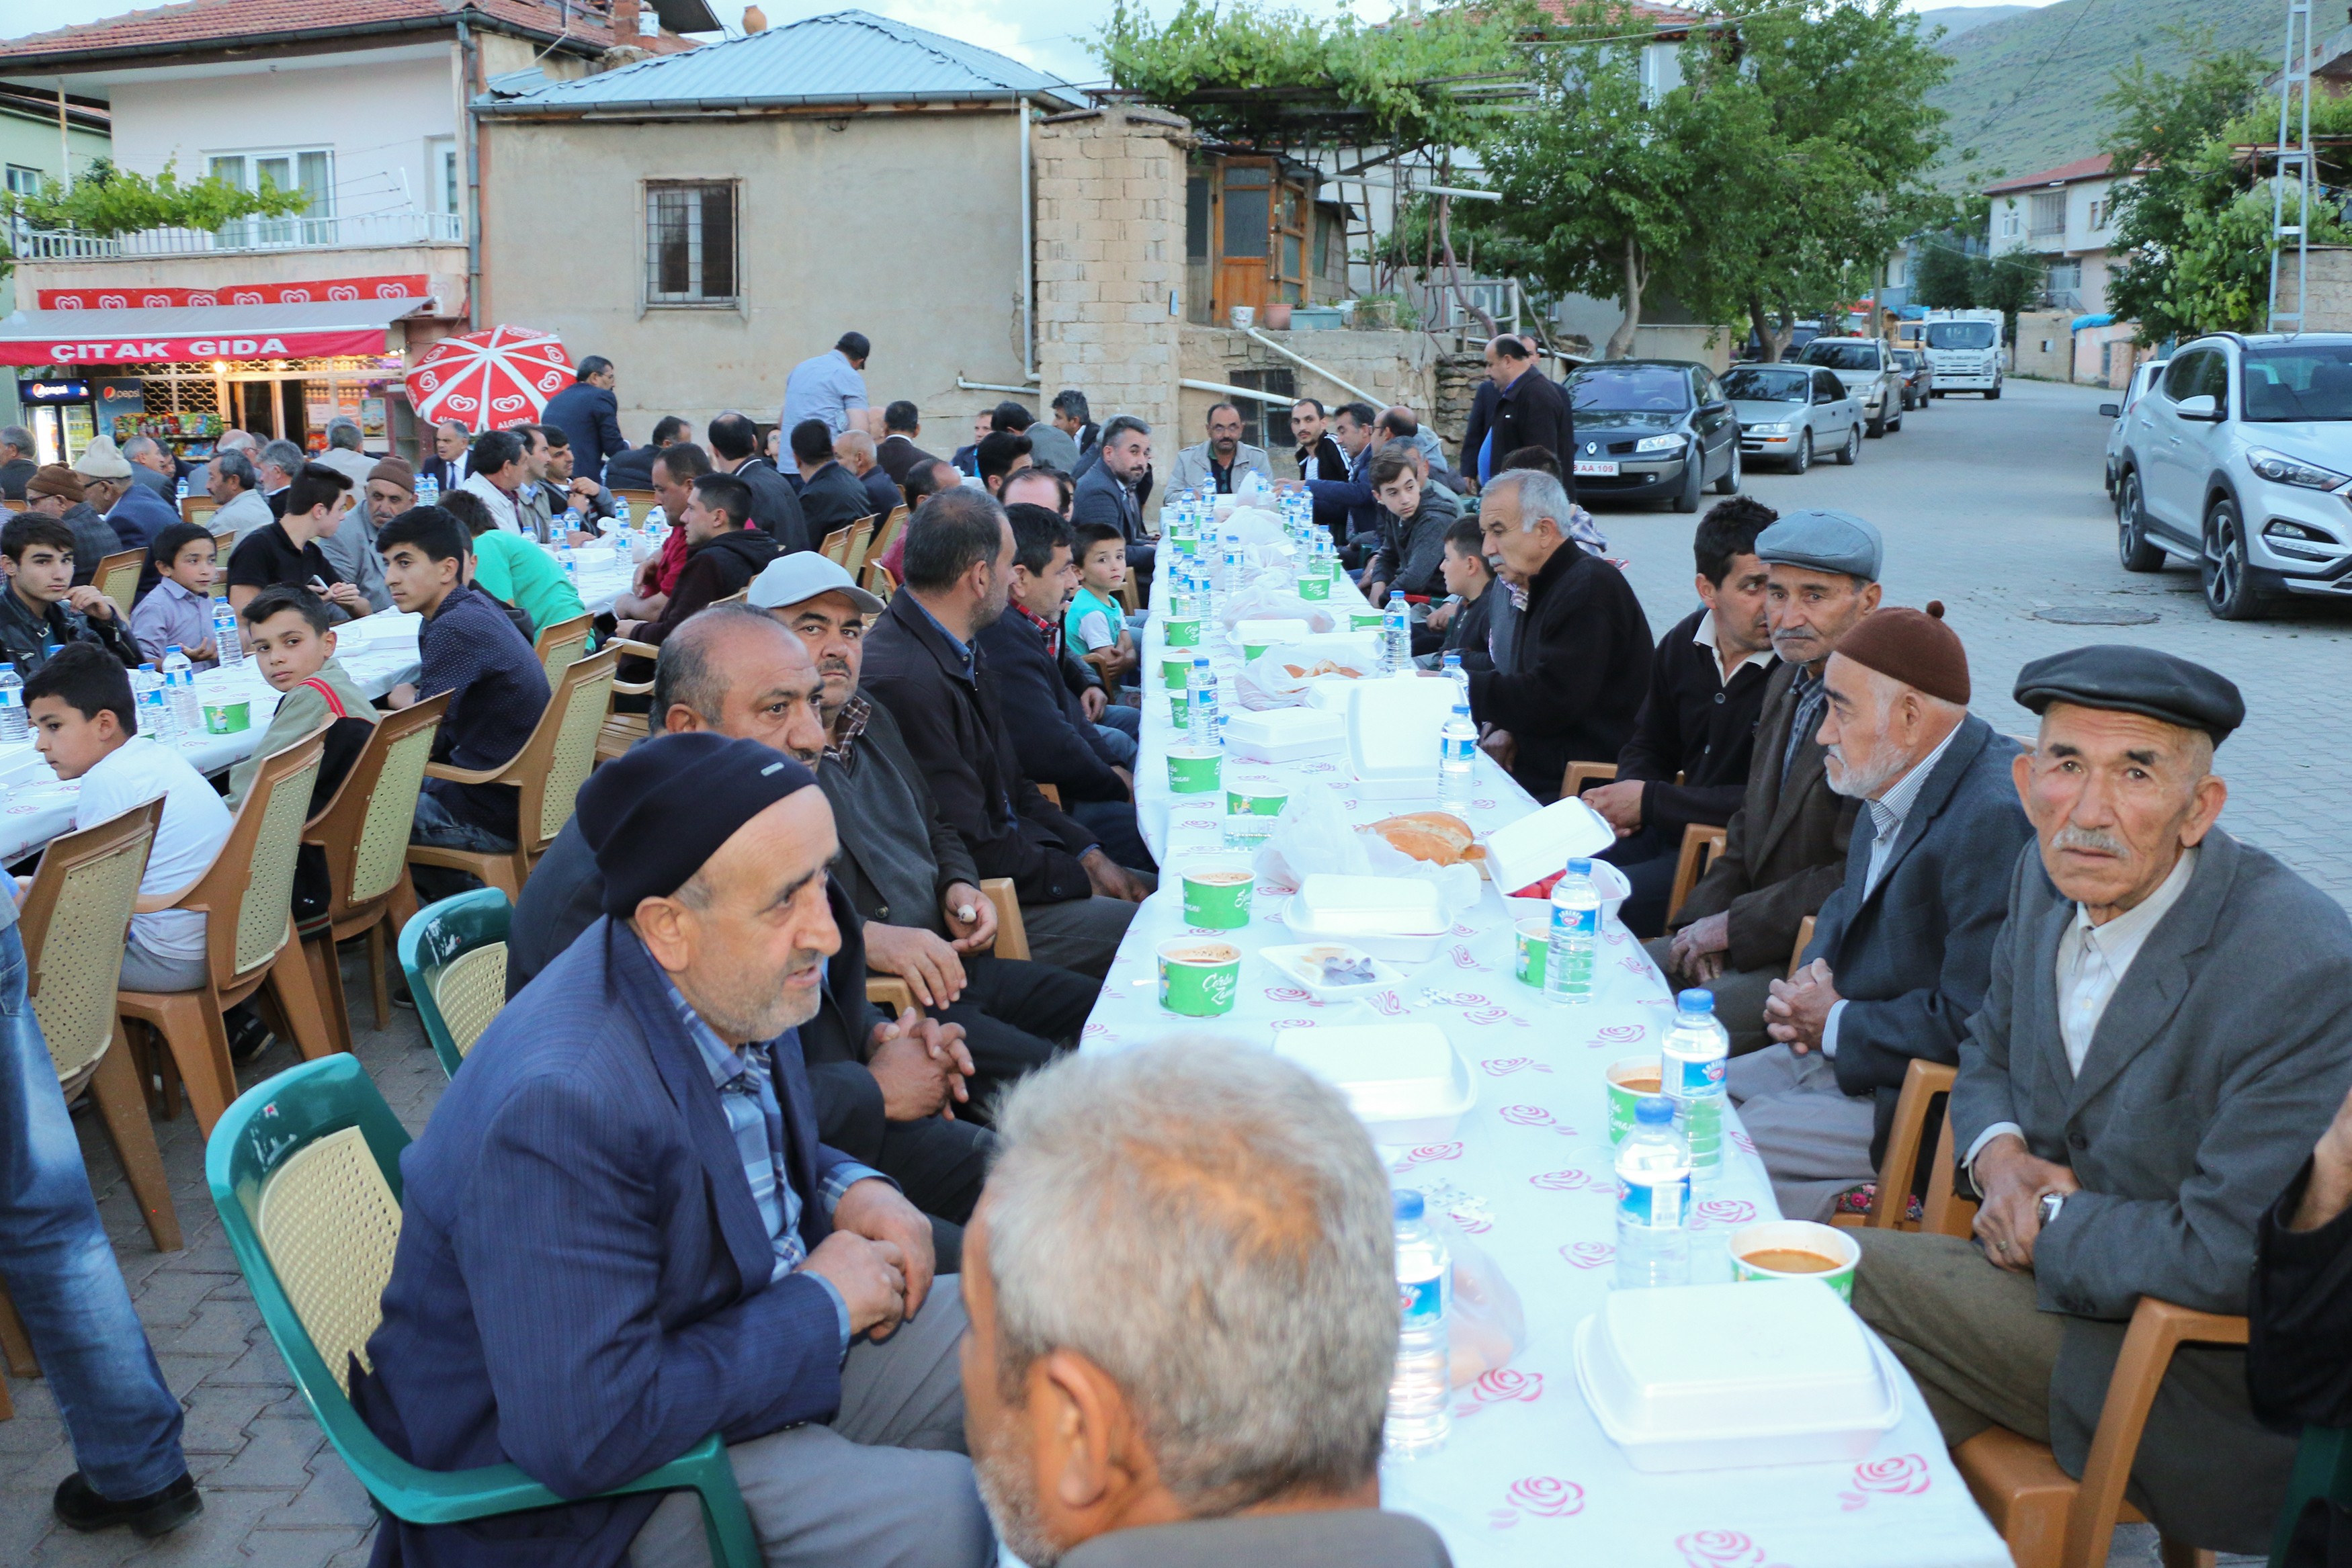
(1589, 467)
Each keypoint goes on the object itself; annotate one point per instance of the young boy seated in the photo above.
(1414, 516)
(178, 611)
(1461, 624)
(86, 726)
(1095, 624)
(40, 608)
(289, 633)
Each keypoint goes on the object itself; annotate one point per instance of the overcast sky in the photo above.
(1052, 37)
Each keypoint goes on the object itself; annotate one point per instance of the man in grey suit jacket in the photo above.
(2162, 1038)
(1901, 950)
(1219, 462)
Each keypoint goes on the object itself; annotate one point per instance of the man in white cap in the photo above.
(136, 513)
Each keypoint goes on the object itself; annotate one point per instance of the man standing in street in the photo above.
(830, 387)
(589, 416)
(1527, 409)
(1111, 490)
(1219, 462)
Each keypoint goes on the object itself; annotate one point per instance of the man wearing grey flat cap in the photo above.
(1785, 848)
(2163, 1038)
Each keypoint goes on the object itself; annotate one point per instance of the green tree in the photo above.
(109, 201)
(1941, 278)
(2007, 283)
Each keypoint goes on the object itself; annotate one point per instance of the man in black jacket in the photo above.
(1318, 456)
(589, 416)
(1414, 516)
(1580, 655)
(634, 469)
(831, 497)
(1347, 507)
(19, 461)
(1056, 742)
(923, 661)
(723, 554)
(775, 502)
(882, 1084)
(1687, 762)
(901, 423)
(1523, 408)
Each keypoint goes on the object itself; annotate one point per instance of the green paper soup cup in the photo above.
(1534, 940)
(1261, 802)
(1312, 585)
(1796, 1250)
(1180, 709)
(1198, 975)
(1217, 894)
(1253, 650)
(1631, 1078)
(1194, 770)
(229, 717)
(1183, 631)
(1366, 620)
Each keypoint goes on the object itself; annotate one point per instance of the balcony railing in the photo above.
(369, 230)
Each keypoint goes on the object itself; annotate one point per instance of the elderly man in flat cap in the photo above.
(2163, 1038)
(1901, 951)
(619, 1232)
(55, 491)
(1785, 851)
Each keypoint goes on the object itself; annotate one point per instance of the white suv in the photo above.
(2240, 458)
(1868, 369)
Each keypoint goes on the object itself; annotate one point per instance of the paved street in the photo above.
(1995, 508)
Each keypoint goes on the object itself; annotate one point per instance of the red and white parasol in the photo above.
(491, 379)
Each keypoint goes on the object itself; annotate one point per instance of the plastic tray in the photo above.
(1403, 1080)
(1613, 884)
(1295, 963)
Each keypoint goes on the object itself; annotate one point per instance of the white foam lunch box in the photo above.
(1706, 1377)
(1524, 852)
(1283, 734)
(1393, 725)
(1395, 918)
(1403, 1081)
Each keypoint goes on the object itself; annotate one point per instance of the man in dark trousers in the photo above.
(723, 554)
(923, 662)
(775, 501)
(1785, 849)
(1579, 658)
(1901, 954)
(1687, 762)
(590, 417)
(1525, 408)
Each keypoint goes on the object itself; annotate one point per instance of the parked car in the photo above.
(1802, 333)
(1647, 429)
(1788, 413)
(2239, 457)
(1919, 377)
(2143, 377)
(1867, 366)
(1965, 351)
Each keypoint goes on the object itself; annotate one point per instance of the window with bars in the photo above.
(690, 243)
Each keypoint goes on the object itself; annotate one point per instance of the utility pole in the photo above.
(2294, 111)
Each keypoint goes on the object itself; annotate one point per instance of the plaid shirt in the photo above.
(1046, 629)
(853, 724)
(747, 1094)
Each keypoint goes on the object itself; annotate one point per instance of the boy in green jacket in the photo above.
(289, 633)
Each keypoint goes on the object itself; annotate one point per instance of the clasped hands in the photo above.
(878, 1257)
(1798, 1010)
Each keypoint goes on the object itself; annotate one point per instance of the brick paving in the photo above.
(1996, 508)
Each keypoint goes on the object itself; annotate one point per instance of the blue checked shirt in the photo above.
(748, 1094)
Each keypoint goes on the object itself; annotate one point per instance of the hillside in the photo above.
(1958, 19)
(2024, 91)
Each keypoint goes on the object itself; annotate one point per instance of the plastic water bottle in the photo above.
(1201, 701)
(226, 646)
(1653, 1200)
(180, 683)
(1575, 934)
(14, 728)
(620, 508)
(623, 546)
(1457, 748)
(152, 702)
(1691, 1064)
(428, 491)
(1417, 1418)
(1396, 636)
(180, 490)
(1451, 667)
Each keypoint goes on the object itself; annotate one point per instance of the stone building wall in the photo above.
(1394, 367)
(2331, 289)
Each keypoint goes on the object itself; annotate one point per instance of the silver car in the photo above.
(2142, 378)
(1867, 368)
(1790, 412)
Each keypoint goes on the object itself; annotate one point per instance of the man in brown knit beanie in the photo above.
(1902, 951)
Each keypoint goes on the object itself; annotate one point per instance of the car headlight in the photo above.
(1780, 429)
(2280, 469)
(1659, 444)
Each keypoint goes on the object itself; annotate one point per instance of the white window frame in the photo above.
(652, 298)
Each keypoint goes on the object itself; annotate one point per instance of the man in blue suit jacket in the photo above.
(1902, 953)
(620, 1233)
(1347, 506)
(589, 414)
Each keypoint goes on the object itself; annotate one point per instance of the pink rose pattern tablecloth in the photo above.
(1527, 1477)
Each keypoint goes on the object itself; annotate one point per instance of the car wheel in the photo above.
(1730, 483)
(1804, 457)
(1850, 452)
(2132, 543)
(1878, 425)
(1895, 424)
(2229, 589)
(1694, 479)
(1994, 395)
(1935, 393)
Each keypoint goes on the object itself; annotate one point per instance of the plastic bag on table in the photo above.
(1312, 836)
(1268, 601)
(1254, 488)
(1487, 1326)
(1255, 527)
(1458, 886)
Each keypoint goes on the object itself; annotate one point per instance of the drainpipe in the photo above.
(1298, 359)
(963, 385)
(1028, 256)
(65, 146)
(1223, 391)
(466, 58)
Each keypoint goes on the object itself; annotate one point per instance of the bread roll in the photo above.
(1437, 837)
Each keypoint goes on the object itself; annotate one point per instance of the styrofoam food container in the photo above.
(1392, 728)
(1692, 1378)
(1376, 905)
(1301, 964)
(1539, 843)
(1270, 632)
(1613, 885)
(1403, 1080)
(1283, 734)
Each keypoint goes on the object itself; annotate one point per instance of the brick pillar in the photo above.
(1111, 255)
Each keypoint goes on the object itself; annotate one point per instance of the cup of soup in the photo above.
(1198, 977)
(1631, 1079)
(1217, 896)
(1194, 770)
(1796, 1250)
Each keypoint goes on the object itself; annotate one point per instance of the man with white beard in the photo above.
(1902, 952)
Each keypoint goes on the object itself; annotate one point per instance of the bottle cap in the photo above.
(1580, 868)
(1694, 1000)
(1407, 1203)
(1654, 1110)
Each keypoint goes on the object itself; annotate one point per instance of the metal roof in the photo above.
(848, 57)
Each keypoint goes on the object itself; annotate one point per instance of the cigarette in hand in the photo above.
(966, 912)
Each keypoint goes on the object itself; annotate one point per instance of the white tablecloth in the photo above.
(1527, 1477)
(36, 806)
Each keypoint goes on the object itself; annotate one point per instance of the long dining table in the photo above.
(1527, 1477)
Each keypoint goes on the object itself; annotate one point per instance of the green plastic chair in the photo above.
(2323, 1469)
(455, 956)
(305, 1170)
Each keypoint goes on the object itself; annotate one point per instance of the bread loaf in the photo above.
(1434, 836)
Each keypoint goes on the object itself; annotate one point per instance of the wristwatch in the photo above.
(2047, 1207)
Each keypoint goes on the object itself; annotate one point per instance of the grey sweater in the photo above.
(897, 857)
